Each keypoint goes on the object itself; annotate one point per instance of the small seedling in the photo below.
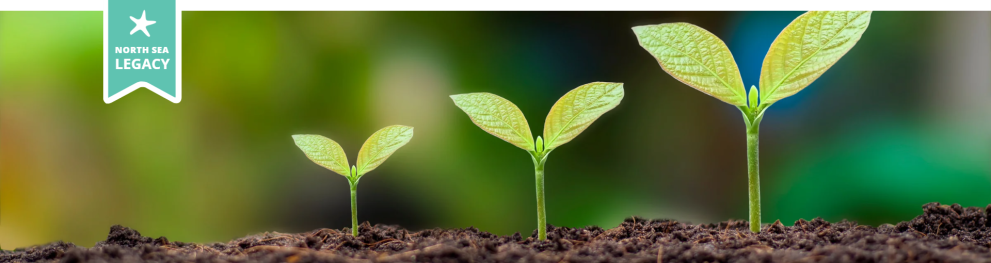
(805, 49)
(574, 112)
(330, 155)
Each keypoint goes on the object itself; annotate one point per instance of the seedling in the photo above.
(574, 112)
(330, 155)
(805, 49)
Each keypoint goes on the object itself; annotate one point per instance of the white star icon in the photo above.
(141, 24)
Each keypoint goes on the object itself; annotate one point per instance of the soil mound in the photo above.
(943, 233)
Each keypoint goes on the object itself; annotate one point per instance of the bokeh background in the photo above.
(903, 119)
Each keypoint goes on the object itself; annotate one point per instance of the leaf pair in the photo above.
(571, 115)
(803, 51)
(377, 148)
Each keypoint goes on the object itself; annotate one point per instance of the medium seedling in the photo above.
(804, 50)
(574, 112)
(377, 148)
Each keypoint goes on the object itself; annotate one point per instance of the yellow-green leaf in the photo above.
(805, 49)
(577, 109)
(381, 145)
(323, 151)
(695, 57)
(497, 116)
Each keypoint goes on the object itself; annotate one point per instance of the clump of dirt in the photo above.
(943, 233)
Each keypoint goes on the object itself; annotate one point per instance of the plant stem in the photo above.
(538, 171)
(753, 176)
(354, 208)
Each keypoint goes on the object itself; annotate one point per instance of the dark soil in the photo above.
(944, 233)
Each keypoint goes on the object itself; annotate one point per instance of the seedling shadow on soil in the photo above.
(943, 233)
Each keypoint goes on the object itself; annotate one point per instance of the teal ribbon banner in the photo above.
(141, 49)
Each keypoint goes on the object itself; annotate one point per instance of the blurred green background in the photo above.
(903, 119)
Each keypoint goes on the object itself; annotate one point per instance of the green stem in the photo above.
(753, 176)
(354, 208)
(538, 172)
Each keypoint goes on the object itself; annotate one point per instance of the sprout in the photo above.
(377, 148)
(568, 117)
(801, 53)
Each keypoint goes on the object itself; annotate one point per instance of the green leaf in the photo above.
(323, 151)
(695, 57)
(577, 109)
(539, 145)
(381, 145)
(497, 116)
(753, 96)
(807, 48)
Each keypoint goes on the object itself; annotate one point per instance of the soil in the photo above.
(944, 233)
